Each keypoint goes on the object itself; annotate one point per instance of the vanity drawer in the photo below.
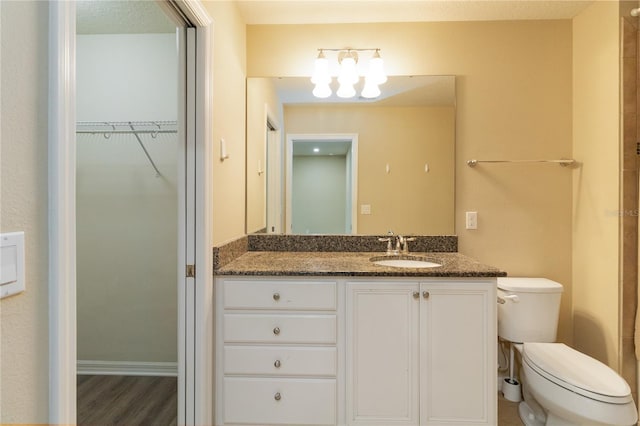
(280, 360)
(251, 328)
(280, 401)
(282, 295)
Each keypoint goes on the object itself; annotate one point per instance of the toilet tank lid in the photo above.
(529, 285)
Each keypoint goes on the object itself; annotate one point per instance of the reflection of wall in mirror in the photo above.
(261, 96)
(319, 194)
(407, 199)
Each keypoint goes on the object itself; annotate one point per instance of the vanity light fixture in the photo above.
(348, 75)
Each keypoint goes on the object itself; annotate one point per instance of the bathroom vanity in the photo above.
(329, 338)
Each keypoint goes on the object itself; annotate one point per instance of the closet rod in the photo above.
(142, 132)
(126, 127)
(562, 162)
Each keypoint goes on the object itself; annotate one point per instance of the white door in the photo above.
(382, 353)
(457, 359)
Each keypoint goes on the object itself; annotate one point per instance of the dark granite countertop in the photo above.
(280, 263)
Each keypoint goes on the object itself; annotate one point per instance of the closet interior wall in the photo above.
(127, 213)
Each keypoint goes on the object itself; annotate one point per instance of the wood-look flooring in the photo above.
(127, 400)
(153, 401)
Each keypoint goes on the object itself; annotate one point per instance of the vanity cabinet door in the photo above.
(458, 360)
(382, 356)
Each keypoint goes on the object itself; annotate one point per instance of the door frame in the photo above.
(352, 176)
(196, 407)
(273, 182)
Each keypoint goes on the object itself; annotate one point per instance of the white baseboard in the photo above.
(127, 368)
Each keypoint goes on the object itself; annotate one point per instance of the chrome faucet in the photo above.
(397, 245)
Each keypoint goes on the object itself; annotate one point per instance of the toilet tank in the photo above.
(531, 309)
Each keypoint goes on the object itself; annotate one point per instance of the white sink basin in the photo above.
(406, 263)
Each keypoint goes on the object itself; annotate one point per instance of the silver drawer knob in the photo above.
(277, 364)
(277, 396)
(276, 296)
(276, 331)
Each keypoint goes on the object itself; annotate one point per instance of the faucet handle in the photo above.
(405, 244)
(387, 240)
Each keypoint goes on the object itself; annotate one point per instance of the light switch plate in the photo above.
(11, 263)
(365, 209)
(472, 220)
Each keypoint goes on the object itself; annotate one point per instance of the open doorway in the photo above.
(127, 85)
(321, 195)
(195, 290)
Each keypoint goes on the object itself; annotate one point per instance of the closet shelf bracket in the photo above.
(145, 150)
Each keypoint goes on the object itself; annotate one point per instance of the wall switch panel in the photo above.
(472, 220)
(365, 209)
(11, 263)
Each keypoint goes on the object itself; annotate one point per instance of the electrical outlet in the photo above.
(472, 220)
(365, 209)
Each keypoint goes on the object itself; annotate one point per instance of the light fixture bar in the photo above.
(368, 49)
(348, 75)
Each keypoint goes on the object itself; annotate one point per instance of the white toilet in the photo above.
(561, 385)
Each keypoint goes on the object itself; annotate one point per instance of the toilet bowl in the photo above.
(574, 388)
(561, 385)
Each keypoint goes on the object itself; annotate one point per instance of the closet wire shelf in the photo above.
(109, 128)
(136, 128)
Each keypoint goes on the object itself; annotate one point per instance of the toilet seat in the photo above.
(577, 372)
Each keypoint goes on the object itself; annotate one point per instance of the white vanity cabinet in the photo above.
(276, 352)
(355, 351)
(421, 353)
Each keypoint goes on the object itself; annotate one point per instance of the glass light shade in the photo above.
(371, 89)
(348, 71)
(346, 91)
(321, 71)
(376, 69)
(322, 90)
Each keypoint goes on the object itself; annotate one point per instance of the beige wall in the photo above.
(406, 200)
(596, 183)
(513, 102)
(229, 74)
(24, 342)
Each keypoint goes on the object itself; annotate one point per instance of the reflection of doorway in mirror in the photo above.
(273, 181)
(321, 184)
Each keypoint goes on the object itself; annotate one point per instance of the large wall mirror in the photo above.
(351, 166)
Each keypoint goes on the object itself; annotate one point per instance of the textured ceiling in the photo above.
(145, 16)
(361, 11)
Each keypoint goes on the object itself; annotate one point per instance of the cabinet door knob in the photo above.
(277, 396)
(276, 296)
(416, 294)
(277, 364)
(276, 331)
(425, 294)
